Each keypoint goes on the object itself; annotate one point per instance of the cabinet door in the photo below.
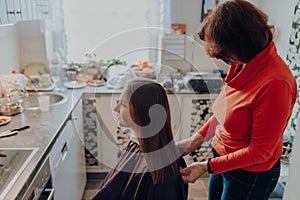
(68, 165)
(77, 119)
(24, 12)
(33, 5)
(176, 109)
(107, 129)
(10, 9)
(3, 12)
(29, 10)
(43, 8)
(17, 10)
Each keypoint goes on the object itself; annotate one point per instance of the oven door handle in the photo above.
(51, 195)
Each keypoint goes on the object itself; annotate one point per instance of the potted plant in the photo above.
(109, 64)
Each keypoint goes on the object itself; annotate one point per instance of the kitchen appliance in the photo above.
(13, 161)
(203, 82)
(40, 188)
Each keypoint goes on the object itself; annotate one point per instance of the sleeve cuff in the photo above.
(208, 167)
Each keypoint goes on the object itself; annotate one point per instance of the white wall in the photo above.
(280, 14)
(292, 191)
(186, 12)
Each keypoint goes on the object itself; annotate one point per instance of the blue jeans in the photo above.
(243, 185)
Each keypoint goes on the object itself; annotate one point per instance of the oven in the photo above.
(41, 188)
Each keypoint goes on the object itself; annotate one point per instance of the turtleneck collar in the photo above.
(240, 75)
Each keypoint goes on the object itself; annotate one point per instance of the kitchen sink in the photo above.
(30, 102)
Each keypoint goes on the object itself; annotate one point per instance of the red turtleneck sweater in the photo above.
(251, 114)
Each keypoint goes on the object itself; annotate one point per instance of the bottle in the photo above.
(92, 68)
(56, 69)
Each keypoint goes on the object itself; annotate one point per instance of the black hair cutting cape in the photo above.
(130, 180)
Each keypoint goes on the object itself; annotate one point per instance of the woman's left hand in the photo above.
(192, 172)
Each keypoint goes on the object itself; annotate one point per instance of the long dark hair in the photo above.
(156, 141)
(235, 31)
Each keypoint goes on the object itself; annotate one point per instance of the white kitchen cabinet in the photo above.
(29, 9)
(177, 118)
(107, 128)
(23, 9)
(3, 12)
(12, 11)
(67, 163)
(77, 120)
(18, 11)
(43, 9)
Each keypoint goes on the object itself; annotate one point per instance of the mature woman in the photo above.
(252, 110)
(148, 168)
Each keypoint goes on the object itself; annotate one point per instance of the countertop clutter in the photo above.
(43, 131)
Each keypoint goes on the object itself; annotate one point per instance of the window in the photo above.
(115, 29)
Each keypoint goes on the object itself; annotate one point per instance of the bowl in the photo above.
(144, 74)
(10, 108)
(144, 70)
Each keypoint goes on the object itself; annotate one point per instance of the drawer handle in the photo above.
(51, 195)
(64, 150)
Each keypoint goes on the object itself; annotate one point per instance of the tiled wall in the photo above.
(90, 131)
(201, 112)
(293, 60)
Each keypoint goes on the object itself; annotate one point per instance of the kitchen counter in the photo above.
(44, 129)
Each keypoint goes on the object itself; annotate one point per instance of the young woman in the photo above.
(252, 110)
(148, 168)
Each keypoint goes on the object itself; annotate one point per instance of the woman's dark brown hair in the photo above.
(158, 148)
(235, 31)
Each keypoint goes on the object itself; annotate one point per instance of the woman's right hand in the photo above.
(189, 144)
(192, 172)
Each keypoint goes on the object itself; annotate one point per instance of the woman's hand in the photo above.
(191, 173)
(190, 144)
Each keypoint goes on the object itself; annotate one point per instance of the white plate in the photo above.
(75, 84)
(4, 120)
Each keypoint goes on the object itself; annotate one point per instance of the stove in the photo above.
(13, 161)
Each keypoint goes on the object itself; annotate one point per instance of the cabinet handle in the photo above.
(74, 117)
(64, 150)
